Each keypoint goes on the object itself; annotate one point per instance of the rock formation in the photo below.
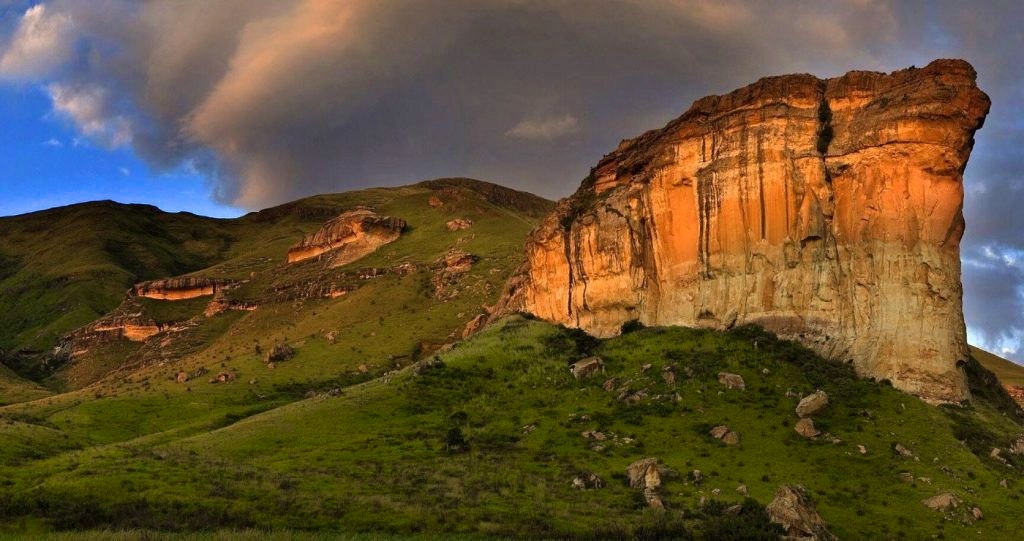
(827, 211)
(350, 236)
(176, 289)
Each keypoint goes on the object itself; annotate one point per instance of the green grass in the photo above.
(374, 458)
(1008, 372)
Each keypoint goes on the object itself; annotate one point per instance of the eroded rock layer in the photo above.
(827, 211)
(175, 289)
(351, 236)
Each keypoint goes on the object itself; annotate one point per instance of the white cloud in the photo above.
(546, 128)
(124, 171)
(43, 41)
(89, 108)
(53, 142)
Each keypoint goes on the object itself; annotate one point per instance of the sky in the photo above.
(226, 106)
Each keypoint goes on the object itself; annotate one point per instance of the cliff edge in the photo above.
(827, 211)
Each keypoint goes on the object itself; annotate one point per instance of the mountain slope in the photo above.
(488, 438)
(65, 267)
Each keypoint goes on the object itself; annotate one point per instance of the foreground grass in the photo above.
(379, 455)
(227, 535)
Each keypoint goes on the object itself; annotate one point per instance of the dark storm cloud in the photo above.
(277, 99)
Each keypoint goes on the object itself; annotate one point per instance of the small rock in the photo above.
(331, 337)
(676, 397)
(271, 365)
(182, 377)
(226, 376)
(997, 454)
(609, 384)
(862, 450)
(726, 434)
(812, 404)
(645, 367)
(362, 368)
(716, 491)
(669, 375)
(435, 202)
(731, 381)
(976, 513)
(903, 451)
(586, 367)
(742, 489)
(794, 510)
(1017, 447)
(697, 476)
(587, 481)
(459, 224)
(280, 352)
(1004, 483)
(942, 502)
(925, 480)
(593, 435)
(907, 477)
(805, 427)
(734, 510)
(529, 428)
(765, 371)
(252, 381)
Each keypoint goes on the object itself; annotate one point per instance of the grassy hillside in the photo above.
(62, 268)
(486, 440)
(1008, 372)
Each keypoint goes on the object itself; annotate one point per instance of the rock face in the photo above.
(351, 236)
(827, 211)
(176, 289)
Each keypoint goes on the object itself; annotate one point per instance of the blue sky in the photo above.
(47, 163)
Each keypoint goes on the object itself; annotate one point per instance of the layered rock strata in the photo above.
(176, 289)
(350, 236)
(827, 211)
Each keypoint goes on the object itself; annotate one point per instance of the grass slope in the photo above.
(62, 268)
(1008, 372)
(377, 455)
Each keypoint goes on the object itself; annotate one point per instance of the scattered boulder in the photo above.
(182, 377)
(586, 367)
(697, 476)
(610, 384)
(862, 450)
(742, 489)
(1017, 447)
(587, 481)
(632, 397)
(1004, 484)
(997, 455)
(725, 434)
(942, 502)
(645, 367)
(907, 477)
(977, 514)
(427, 365)
(793, 509)
(805, 427)
(226, 376)
(278, 353)
(668, 373)
(812, 404)
(903, 451)
(331, 337)
(435, 202)
(647, 474)
(593, 435)
(731, 381)
(459, 224)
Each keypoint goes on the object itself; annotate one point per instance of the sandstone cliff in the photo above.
(827, 211)
(350, 236)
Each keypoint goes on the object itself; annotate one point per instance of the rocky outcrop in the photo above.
(350, 236)
(176, 289)
(827, 211)
(793, 509)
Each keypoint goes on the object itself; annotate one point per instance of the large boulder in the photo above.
(812, 404)
(793, 509)
(646, 474)
(946, 501)
(732, 381)
(585, 368)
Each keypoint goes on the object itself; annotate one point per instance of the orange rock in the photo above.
(351, 236)
(827, 211)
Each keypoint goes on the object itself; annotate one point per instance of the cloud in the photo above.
(277, 99)
(53, 142)
(43, 41)
(544, 129)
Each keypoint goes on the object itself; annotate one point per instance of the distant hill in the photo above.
(1009, 372)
